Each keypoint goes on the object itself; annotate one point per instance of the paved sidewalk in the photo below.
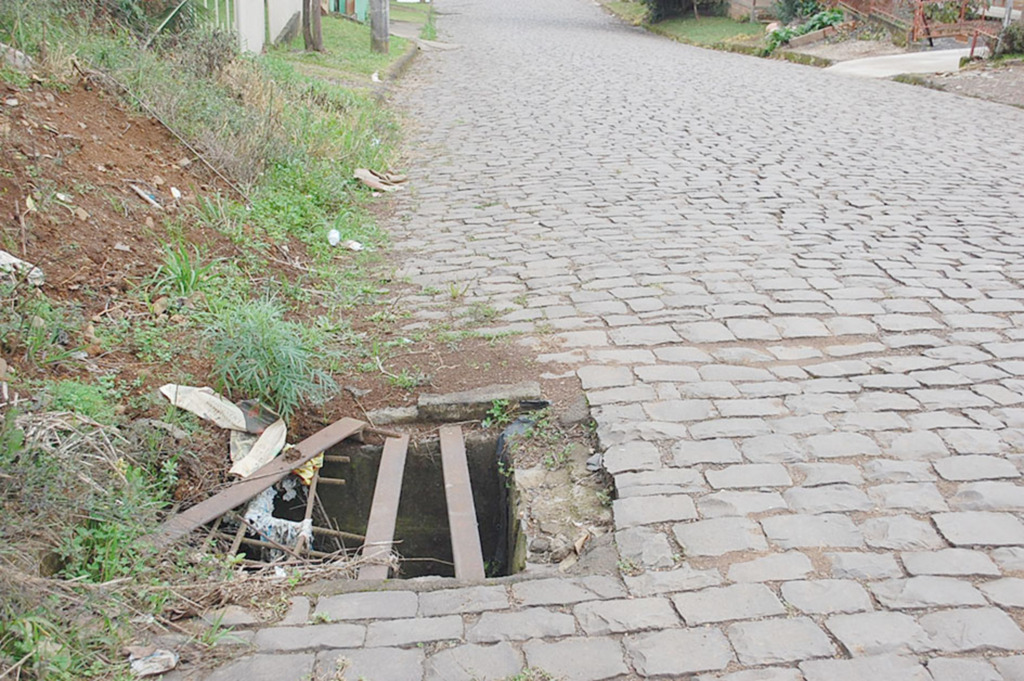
(795, 302)
(936, 61)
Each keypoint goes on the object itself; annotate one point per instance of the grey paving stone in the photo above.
(890, 470)
(826, 596)
(718, 536)
(771, 568)
(1009, 558)
(681, 578)
(879, 633)
(900, 532)
(458, 601)
(294, 667)
(376, 664)
(735, 427)
(678, 411)
(598, 376)
(312, 637)
(833, 498)
(812, 531)
(1011, 668)
(521, 625)
(925, 592)
(635, 484)
(636, 511)
(962, 669)
(722, 604)
(689, 453)
(963, 630)
(645, 547)
(855, 565)
(472, 663)
(751, 475)
(627, 394)
(412, 631)
(1007, 592)
(705, 332)
(773, 449)
(552, 591)
(577, 659)
(888, 667)
(812, 424)
(988, 496)
(733, 503)
(980, 528)
(298, 611)
(678, 652)
(973, 441)
(598, 618)
(916, 497)
(953, 562)
(921, 445)
(632, 456)
(779, 640)
(734, 373)
(833, 445)
(369, 605)
(815, 474)
(763, 674)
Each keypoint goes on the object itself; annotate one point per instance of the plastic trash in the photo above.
(10, 263)
(206, 404)
(269, 445)
(152, 662)
(353, 245)
(334, 237)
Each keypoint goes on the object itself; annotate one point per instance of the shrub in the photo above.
(788, 10)
(1011, 40)
(258, 354)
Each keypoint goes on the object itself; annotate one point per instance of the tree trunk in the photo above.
(379, 28)
(312, 35)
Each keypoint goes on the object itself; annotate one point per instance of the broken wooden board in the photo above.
(465, 534)
(237, 494)
(380, 529)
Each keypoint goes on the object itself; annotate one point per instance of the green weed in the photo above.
(501, 413)
(182, 272)
(94, 401)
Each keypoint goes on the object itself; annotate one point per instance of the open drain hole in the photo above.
(422, 535)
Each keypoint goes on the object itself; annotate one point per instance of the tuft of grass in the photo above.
(182, 272)
(707, 30)
(90, 400)
(635, 13)
(258, 354)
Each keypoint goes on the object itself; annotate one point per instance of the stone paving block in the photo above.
(636, 511)
(368, 605)
(627, 394)
(584, 339)
(891, 470)
(951, 562)
(595, 376)
(753, 329)
(598, 618)
(521, 625)
(644, 335)
(678, 411)
(916, 497)
(763, 674)
(856, 565)
(708, 390)
(734, 427)
(800, 327)
(413, 631)
(298, 611)
(815, 474)
(963, 630)
(294, 667)
(921, 445)
(645, 547)
(471, 663)
(312, 637)
(779, 640)
(988, 496)
(464, 600)
(949, 398)
(1007, 592)
(1011, 668)
(632, 456)
(879, 633)
(705, 332)
(376, 664)
(925, 592)
(826, 596)
(873, 421)
(688, 453)
(888, 667)
(683, 479)
(682, 578)
(718, 536)
(722, 604)
(773, 449)
(663, 373)
(901, 532)
(833, 498)
(973, 441)
(732, 503)
(577, 659)
(553, 591)
(834, 445)
(980, 528)
(962, 669)
(678, 652)
(812, 531)
(771, 568)
(753, 475)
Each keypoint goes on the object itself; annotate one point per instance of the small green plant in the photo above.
(628, 566)
(555, 460)
(456, 292)
(321, 617)
(788, 10)
(501, 413)
(532, 674)
(182, 272)
(781, 36)
(408, 380)
(258, 354)
(215, 633)
(1011, 40)
(94, 401)
(429, 29)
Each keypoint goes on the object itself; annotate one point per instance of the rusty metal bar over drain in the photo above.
(462, 523)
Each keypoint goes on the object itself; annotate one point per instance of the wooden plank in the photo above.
(380, 528)
(242, 491)
(462, 523)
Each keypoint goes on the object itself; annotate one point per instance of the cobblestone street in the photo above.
(796, 305)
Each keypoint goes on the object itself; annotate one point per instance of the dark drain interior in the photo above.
(421, 533)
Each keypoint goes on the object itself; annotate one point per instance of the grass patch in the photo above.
(346, 50)
(632, 12)
(707, 31)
